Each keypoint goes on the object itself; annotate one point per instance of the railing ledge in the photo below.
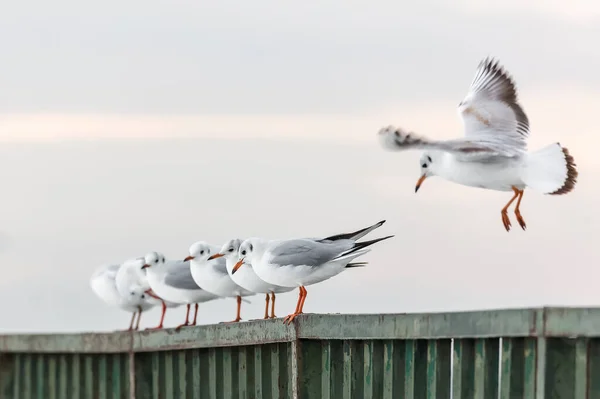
(535, 322)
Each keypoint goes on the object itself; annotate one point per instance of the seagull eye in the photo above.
(230, 249)
(202, 252)
(243, 252)
(424, 165)
(156, 261)
(429, 159)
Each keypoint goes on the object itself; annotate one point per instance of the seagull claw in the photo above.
(506, 220)
(289, 318)
(521, 220)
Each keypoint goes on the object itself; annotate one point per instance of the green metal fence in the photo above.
(518, 353)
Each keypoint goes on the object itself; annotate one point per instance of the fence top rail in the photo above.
(538, 322)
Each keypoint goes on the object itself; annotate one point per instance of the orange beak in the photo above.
(188, 258)
(145, 266)
(238, 265)
(419, 182)
(215, 256)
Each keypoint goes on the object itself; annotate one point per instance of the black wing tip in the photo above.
(353, 235)
(356, 264)
(491, 62)
(491, 65)
(371, 242)
(360, 245)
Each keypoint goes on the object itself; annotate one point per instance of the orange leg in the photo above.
(162, 318)
(137, 325)
(266, 306)
(238, 317)
(302, 297)
(297, 305)
(195, 315)
(132, 320)
(518, 211)
(273, 305)
(187, 318)
(504, 212)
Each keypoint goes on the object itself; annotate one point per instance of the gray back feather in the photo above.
(307, 252)
(180, 276)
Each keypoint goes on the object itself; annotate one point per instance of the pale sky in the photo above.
(148, 125)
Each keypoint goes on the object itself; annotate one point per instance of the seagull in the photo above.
(247, 278)
(173, 281)
(132, 277)
(104, 286)
(212, 274)
(493, 153)
(301, 262)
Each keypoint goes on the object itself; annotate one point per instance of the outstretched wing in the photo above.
(479, 149)
(491, 112)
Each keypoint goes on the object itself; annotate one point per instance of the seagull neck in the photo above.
(441, 164)
(256, 256)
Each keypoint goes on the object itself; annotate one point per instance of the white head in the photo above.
(229, 250)
(137, 293)
(249, 251)
(199, 251)
(153, 260)
(428, 163)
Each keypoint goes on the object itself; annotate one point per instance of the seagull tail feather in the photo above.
(550, 170)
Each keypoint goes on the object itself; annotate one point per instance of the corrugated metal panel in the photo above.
(332, 369)
(531, 353)
(254, 371)
(57, 376)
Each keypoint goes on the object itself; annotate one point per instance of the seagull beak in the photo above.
(238, 265)
(419, 182)
(188, 258)
(215, 256)
(145, 266)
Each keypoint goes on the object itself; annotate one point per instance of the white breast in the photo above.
(247, 278)
(214, 282)
(496, 175)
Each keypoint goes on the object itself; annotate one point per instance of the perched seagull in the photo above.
(246, 277)
(212, 274)
(104, 286)
(173, 281)
(301, 262)
(132, 277)
(493, 154)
